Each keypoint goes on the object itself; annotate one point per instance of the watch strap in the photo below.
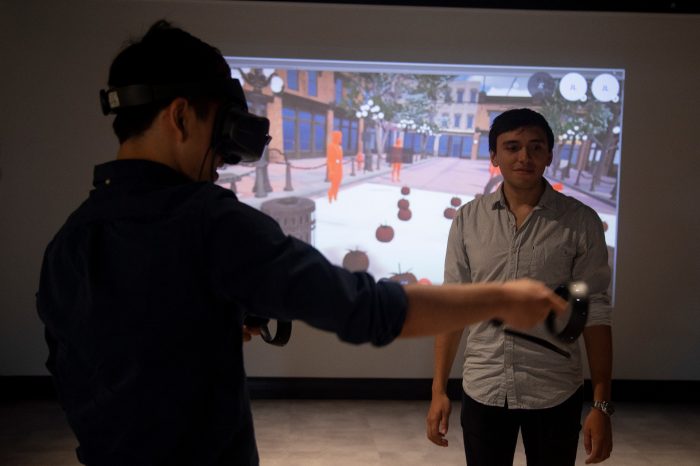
(605, 406)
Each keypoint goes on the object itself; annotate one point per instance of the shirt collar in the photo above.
(135, 171)
(548, 200)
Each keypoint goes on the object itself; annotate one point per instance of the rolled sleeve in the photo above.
(591, 266)
(378, 316)
(456, 259)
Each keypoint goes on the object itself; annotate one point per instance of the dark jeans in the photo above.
(550, 436)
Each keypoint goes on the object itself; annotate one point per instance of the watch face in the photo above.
(605, 407)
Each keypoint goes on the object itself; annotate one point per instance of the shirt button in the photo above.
(108, 181)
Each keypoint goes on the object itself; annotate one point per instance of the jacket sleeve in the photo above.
(253, 264)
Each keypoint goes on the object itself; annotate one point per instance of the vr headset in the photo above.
(239, 136)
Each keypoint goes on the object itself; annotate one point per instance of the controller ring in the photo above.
(281, 337)
(576, 293)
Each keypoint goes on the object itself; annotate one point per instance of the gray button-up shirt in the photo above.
(560, 241)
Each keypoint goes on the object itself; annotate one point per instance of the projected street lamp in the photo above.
(374, 112)
(581, 161)
(406, 124)
(574, 133)
(613, 192)
(604, 157)
(425, 132)
(259, 79)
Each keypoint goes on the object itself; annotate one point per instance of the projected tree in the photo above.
(401, 97)
(573, 122)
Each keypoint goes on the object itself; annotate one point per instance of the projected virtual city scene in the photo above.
(369, 162)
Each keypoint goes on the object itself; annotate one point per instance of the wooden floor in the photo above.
(365, 433)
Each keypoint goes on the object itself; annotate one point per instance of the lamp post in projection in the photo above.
(258, 100)
(374, 112)
(406, 124)
(576, 135)
(425, 131)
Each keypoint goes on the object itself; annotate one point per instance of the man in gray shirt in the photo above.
(511, 384)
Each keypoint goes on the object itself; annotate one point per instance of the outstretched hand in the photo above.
(528, 302)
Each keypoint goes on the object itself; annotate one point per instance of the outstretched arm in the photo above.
(520, 304)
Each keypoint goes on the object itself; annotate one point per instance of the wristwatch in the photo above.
(605, 406)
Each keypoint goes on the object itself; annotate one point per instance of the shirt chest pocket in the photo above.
(552, 263)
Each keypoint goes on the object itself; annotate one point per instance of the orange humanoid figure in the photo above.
(396, 157)
(334, 158)
(359, 160)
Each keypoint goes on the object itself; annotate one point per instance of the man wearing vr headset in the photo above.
(525, 382)
(144, 289)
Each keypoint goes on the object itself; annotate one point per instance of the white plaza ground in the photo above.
(418, 245)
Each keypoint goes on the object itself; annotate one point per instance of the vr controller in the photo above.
(239, 136)
(566, 328)
(284, 329)
(576, 293)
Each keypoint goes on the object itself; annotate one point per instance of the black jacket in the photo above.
(143, 292)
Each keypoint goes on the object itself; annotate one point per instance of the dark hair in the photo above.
(519, 118)
(165, 55)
